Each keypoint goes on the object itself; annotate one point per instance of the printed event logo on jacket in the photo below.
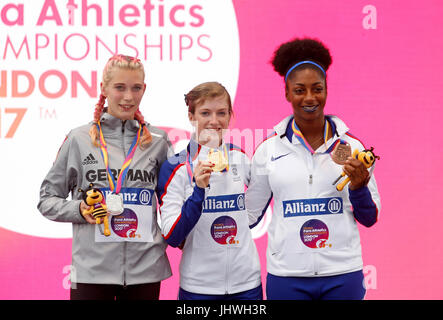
(314, 233)
(224, 230)
(126, 224)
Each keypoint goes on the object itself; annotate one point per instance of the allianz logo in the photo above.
(134, 196)
(225, 203)
(318, 206)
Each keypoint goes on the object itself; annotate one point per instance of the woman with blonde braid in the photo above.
(111, 166)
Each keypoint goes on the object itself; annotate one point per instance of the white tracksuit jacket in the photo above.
(313, 231)
(219, 254)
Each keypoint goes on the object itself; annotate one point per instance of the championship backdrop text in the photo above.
(53, 54)
(385, 83)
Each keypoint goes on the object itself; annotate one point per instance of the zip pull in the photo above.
(310, 179)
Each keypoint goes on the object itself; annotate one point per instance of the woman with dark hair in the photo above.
(314, 249)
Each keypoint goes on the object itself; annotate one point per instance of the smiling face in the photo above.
(210, 118)
(306, 91)
(93, 196)
(124, 92)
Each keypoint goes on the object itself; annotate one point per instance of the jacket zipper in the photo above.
(310, 171)
(227, 271)
(124, 264)
(310, 185)
(124, 242)
(315, 264)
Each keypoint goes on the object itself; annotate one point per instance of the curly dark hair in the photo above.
(296, 50)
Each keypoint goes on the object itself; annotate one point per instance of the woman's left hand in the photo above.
(357, 172)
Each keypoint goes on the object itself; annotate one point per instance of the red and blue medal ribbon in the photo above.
(116, 186)
(192, 151)
(226, 157)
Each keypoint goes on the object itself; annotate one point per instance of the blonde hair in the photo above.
(121, 62)
(205, 91)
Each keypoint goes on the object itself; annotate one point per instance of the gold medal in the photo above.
(341, 153)
(218, 159)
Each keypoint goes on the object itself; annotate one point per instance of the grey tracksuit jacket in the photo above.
(79, 163)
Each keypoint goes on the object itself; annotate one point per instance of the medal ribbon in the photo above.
(227, 158)
(116, 187)
(302, 139)
(225, 151)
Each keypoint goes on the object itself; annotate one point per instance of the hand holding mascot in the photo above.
(94, 198)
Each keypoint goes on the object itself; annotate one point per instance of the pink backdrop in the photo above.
(386, 83)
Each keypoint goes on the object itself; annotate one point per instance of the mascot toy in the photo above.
(94, 198)
(367, 157)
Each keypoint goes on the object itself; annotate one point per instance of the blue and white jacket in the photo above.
(219, 254)
(313, 231)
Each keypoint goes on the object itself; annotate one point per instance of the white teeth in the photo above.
(310, 108)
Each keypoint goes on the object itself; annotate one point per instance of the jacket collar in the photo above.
(194, 148)
(339, 128)
(111, 124)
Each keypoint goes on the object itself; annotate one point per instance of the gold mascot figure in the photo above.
(94, 198)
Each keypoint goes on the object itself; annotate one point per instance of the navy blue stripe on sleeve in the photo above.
(262, 213)
(191, 209)
(365, 209)
(189, 216)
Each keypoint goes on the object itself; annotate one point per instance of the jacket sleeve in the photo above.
(58, 184)
(179, 214)
(246, 166)
(259, 193)
(366, 203)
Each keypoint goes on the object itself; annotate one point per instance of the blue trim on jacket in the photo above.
(191, 209)
(365, 210)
